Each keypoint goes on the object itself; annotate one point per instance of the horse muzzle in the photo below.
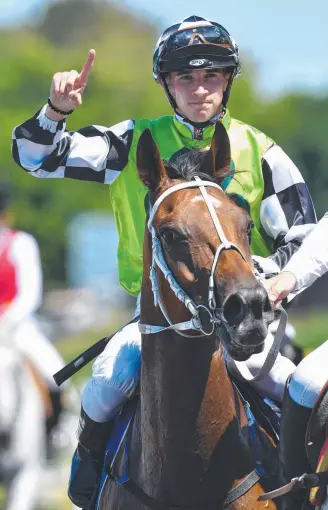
(247, 315)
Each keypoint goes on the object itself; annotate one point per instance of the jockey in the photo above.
(305, 266)
(195, 62)
(20, 297)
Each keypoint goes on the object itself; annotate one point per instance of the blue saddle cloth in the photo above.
(263, 417)
(118, 444)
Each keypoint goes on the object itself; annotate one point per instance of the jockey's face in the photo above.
(198, 93)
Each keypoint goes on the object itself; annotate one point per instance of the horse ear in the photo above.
(149, 163)
(218, 159)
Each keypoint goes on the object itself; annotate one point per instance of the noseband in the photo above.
(215, 315)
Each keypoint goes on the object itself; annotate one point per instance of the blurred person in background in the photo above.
(20, 298)
(195, 62)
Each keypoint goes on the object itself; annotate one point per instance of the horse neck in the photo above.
(191, 434)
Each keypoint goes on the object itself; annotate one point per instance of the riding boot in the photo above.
(293, 457)
(87, 462)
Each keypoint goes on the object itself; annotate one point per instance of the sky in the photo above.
(286, 39)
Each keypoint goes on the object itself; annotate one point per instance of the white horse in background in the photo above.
(22, 429)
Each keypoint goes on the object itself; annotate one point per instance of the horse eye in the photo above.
(250, 225)
(170, 236)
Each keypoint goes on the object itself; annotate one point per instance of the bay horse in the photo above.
(200, 302)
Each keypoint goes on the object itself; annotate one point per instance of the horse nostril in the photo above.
(257, 309)
(234, 309)
(267, 307)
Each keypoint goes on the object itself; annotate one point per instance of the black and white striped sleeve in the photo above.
(44, 148)
(287, 212)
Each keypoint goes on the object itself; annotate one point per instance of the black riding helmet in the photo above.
(195, 43)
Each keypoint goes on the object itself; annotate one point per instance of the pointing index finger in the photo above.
(88, 65)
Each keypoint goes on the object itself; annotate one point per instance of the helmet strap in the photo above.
(228, 89)
(168, 93)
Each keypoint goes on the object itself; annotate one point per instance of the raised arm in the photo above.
(67, 89)
(44, 148)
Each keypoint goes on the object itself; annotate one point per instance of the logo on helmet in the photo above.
(196, 63)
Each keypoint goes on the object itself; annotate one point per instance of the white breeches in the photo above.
(115, 374)
(310, 376)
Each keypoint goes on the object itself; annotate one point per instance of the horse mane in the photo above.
(190, 164)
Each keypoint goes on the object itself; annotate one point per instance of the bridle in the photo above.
(216, 316)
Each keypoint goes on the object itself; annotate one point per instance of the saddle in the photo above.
(263, 417)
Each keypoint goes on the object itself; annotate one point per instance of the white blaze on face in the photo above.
(215, 201)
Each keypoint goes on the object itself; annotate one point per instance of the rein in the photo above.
(216, 319)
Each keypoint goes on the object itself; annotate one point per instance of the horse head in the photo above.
(203, 236)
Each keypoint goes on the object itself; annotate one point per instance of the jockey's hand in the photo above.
(67, 88)
(279, 287)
